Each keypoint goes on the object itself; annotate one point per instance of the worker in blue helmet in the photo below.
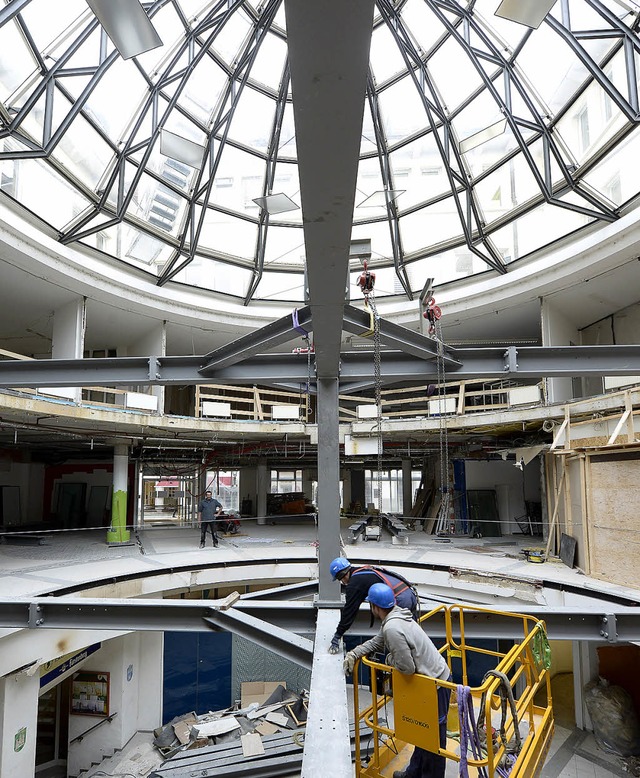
(409, 650)
(357, 580)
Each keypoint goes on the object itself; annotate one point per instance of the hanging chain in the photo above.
(308, 407)
(446, 503)
(377, 382)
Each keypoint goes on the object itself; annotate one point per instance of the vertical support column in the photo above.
(346, 489)
(69, 323)
(153, 343)
(585, 669)
(261, 492)
(328, 489)
(407, 491)
(118, 532)
(18, 723)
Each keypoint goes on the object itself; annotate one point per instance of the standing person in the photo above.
(208, 509)
(410, 651)
(357, 582)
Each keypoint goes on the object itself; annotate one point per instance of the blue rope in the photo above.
(469, 735)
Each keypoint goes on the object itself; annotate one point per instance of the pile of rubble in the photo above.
(264, 709)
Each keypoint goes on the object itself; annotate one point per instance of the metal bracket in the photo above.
(511, 360)
(36, 616)
(609, 627)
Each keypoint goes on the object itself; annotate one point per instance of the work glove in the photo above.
(349, 662)
(335, 644)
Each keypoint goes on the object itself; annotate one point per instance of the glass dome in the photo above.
(483, 139)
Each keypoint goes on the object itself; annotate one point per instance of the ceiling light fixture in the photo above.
(275, 203)
(380, 198)
(181, 149)
(531, 13)
(127, 24)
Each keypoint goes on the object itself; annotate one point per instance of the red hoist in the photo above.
(367, 281)
(432, 313)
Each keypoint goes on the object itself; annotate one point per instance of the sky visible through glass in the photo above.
(483, 140)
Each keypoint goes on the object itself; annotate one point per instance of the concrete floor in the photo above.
(69, 558)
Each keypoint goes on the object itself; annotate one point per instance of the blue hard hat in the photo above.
(339, 565)
(381, 595)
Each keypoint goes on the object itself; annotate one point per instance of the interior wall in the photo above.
(27, 478)
(134, 665)
(510, 483)
(558, 330)
(623, 328)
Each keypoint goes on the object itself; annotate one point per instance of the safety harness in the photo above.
(385, 576)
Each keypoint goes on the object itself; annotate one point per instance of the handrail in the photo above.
(80, 737)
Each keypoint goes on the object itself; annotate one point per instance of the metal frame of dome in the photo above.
(461, 23)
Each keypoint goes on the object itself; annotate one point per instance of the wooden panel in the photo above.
(613, 522)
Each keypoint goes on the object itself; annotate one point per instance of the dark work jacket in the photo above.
(362, 579)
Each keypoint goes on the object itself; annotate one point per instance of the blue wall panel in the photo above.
(197, 672)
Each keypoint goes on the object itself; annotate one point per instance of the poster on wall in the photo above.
(90, 694)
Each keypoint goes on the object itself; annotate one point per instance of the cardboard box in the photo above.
(257, 691)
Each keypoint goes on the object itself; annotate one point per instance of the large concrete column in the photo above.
(262, 487)
(328, 489)
(69, 323)
(18, 723)
(407, 491)
(118, 532)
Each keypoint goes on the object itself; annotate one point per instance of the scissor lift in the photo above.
(517, 694)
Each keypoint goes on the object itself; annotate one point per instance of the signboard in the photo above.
(63, 665)
(90, 693)
(415, 702)
(20, 739)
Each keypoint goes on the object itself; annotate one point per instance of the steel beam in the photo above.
(271, 335)
(328, 43)
(328, 489)
(327, 747)
(257, 619)
(282, 642)
(357, 322)
(528, 362)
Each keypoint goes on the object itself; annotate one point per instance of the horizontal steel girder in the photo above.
(529, 362)
(358, 322)
(282, 642)
(267, 337)
(256, 619)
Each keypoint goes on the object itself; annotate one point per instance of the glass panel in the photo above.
(252, 121)
(270, 61)
(386, 58)
(430, 226)
(402, 110)
(616, 176)
(281, 286)
(229, 234)
(221, 277)
(452, 58)
(285, 248)
(14, 70)
(40, 189)
(534, 230)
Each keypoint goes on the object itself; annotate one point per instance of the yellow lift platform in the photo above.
(515, 698)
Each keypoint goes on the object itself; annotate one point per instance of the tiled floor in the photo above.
(70, 558)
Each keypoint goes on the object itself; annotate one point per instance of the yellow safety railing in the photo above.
(521, 675)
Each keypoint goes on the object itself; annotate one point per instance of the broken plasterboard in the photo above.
(277, 718)
(267, 728)
(217, 727)
(251, 744)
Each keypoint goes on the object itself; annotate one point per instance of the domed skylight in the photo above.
(483, 139)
